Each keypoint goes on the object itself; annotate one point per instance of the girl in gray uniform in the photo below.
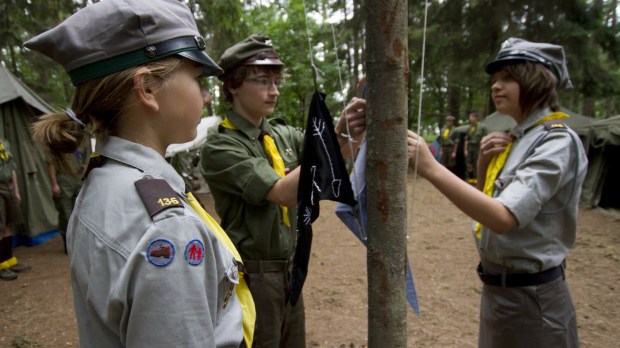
(149, 268)
(526, 213)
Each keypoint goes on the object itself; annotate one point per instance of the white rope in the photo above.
(356, 181)
(419, 125)
(314, 68)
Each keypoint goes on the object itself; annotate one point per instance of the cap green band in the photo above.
(135, 58)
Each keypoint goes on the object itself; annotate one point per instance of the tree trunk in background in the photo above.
(589, 104)
(387, 70)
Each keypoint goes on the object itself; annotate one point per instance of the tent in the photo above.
(201, 137)
(601, 186)
(185, 157)
(19, 107)
(500, 122)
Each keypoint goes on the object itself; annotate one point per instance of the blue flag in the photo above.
(356, 218)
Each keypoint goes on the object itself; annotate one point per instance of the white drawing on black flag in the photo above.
(319, 128)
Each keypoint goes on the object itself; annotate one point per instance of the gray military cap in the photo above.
(113, 35)
(256, 49)
(450, 118)
(551, 56)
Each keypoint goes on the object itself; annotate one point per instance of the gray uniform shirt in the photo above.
(540, 184)
(139, 281)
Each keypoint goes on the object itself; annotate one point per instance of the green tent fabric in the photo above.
(19, 107)
(500, 122)
(601, 186)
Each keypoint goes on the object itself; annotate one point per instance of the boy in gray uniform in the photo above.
(531, 182)
(149, 267)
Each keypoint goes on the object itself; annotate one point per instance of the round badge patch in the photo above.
(160, 252)
(194, 252)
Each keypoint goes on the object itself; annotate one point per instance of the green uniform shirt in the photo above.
(7, 163)
(476, 133)
(240, 174)
(449, 141)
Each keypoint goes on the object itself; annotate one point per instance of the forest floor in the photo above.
(36, 310)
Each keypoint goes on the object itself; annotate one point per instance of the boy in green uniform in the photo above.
(252, 168)
(474, 135)
(66, 185)
(10, 214)
(448, 141)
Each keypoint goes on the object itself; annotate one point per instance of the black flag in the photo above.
(323, 176)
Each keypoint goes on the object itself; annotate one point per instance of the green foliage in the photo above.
(461, 36)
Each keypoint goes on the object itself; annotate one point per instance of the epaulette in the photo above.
(277, 120)
(554, 125)
(157, 195)
(95, 161)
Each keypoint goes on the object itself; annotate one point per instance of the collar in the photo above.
(530, 121)
(247, 127)
(141, 157)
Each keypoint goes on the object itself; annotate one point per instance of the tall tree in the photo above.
(388, 70)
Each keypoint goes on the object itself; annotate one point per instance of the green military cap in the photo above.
(256, 49)
(551, 56)
(113, 35)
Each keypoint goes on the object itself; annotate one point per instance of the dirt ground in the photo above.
(36, 310)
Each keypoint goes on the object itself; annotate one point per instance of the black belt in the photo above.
(521, 279)
(265, 266)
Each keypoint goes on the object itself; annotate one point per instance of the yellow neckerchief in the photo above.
(446, 133)
(4, 154)
(242, 290)
(278, 162)
(498, 161)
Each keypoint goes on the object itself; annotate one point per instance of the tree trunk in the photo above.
(388, 70)
(589, 105)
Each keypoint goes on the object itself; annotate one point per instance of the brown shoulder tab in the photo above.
(95, 161)
(554, 125)
(157, 195)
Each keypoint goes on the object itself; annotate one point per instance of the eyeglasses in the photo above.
(266, 82)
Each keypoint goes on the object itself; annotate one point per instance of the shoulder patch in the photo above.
(160, 252)
(194, 252)
(554, 125)
(157, 195)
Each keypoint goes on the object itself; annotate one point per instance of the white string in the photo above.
(350, 139)
(356, 182)
(419, 125)
(314, 68)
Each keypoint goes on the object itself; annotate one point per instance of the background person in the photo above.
(474, 135)
(448, 141)
(10, 213)
(148, 268)
(66, 185)
(254, 184)
(531, 182)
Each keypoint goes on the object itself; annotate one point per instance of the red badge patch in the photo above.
(194, 252)
(160, 252)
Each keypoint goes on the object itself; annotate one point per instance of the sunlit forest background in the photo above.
(461, 36)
